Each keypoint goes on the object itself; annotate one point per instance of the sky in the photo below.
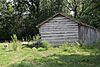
(9, 0)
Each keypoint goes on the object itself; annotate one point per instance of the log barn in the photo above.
(60, 29)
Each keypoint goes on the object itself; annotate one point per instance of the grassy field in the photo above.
(64, 56)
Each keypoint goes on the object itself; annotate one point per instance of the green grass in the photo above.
(64, 56)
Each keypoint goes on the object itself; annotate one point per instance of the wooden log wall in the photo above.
(88, 35)
(59, 30)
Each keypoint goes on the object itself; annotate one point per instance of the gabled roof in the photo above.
(68, 17)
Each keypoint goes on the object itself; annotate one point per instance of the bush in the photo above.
(69, 47)
(15, 42)
(37, 39)
(64, 46)
(33, 42)
(46, 45)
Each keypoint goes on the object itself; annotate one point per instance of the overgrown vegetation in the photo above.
(69, 55)
(14, 42)
(46, 45)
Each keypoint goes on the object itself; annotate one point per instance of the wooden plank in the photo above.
(59, 32)
(59, 35)
(88, 35)
(63, 26)
(59, 18)
(72, 34)
(60, 38)
(46, 29)
(61, 21)
(59, 24)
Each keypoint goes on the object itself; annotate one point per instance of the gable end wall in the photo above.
(59, 30)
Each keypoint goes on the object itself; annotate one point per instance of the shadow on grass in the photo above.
(73, 60)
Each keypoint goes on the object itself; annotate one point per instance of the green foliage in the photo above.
(46, 45)
(65, 47)
(15, 42)
(22, 16)
(37, 37)
(41, 49)
(37, 40)
(70, 47)
(33, 42)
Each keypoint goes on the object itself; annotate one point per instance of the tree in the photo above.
(87, 11)
(21, 16)
(6, 11)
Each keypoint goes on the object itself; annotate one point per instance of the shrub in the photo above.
(69, 47)
(33, 42)
(46, 45)
(37, 41)
(64, 46)
(15, 40)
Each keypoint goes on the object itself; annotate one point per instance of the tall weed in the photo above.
(46, 44)
(15, 42)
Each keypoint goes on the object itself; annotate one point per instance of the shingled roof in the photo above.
(68, 17)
